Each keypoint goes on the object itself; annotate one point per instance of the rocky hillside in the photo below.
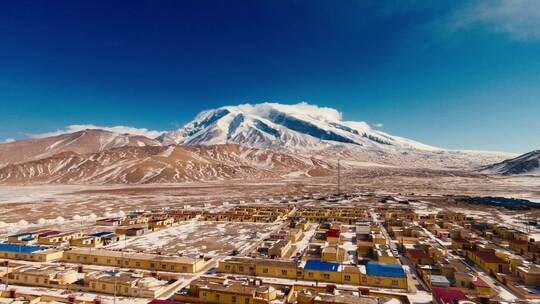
(82, 142)
(526, 164)
(162, 164)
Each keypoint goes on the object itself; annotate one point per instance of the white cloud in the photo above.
(378, 125)
(520, 19)
(7, 140)
(117, 129)
(300, 109)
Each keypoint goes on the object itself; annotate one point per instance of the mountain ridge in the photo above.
(525, 164)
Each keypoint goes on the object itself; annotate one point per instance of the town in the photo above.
(313, 248)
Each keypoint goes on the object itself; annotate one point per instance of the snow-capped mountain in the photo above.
(526, 164)
(81, 142)
(312, 130)
(298, 127)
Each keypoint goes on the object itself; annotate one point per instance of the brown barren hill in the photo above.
(81, 142)
(161, 164)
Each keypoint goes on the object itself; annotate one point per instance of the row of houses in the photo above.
(371, 274)
(256, 291)
(122, 283)
(70, 238)
(153, 262)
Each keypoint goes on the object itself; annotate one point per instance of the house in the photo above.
(333, 253)
(280, 249)
(132, 230)
(384, 254)
(530, 275)
(447, 295)
(227, 291)
(332, 235)
(54, 238)
(488, 261)
(322, 271)
(114, 221)
(384, 275)
(438, 281)
(127, 284)
(520, 246)
(27, 238)
(418, 257)
(459, 243)
(152, 262)
(364, 248)
(29, 253)
(43, 275)
(481, 286)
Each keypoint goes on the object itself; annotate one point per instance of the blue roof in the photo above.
(21, 234)
(102, 233)
(28, 239)
(320, 265)
(20, 248)
(387, 270)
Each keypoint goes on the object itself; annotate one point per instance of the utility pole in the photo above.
(339, 176)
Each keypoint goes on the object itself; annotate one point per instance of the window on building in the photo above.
(241, 268)
(103, 286)
(138, 264)
(217, 296)
(310, 274)
(326, 276)
(233, 299)
(347, 278)
(364, 279)
(265, 270)
(395, 282)
(284, 272)
(204, 294)
(246, 301)
(184, 268)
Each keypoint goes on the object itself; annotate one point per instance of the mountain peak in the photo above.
(300, 126)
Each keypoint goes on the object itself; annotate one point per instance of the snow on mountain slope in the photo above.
(297, 127)
(82, 142)
(526, 164)
(160, 164)
(312, 130)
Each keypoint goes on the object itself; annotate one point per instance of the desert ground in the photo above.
(31, 207)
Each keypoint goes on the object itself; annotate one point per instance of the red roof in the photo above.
(480, 283)
(488, 257)
(333, 233)
(448, 294)
(418, 254)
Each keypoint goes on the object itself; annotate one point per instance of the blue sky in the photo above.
(460, 75)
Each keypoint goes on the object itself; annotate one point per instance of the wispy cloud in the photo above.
(117, 129)
(520, 19)
(378, 125)
(7, 140)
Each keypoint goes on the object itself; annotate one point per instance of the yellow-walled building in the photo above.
(135, 260)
